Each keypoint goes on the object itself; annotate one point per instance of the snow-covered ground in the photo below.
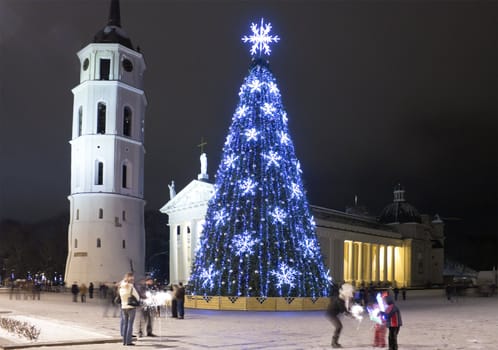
(50, 331)
(430, 322)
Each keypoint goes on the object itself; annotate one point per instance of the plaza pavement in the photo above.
(430, 322)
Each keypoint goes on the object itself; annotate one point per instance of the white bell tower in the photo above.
(106, 235)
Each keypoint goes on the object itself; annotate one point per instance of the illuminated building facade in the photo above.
(357, 248)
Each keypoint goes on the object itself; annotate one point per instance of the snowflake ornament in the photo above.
(255, 85)
(251, 134)
(244, 244)
(273, 88)
(241, 111)
(309, 247)
(268, 109)
(296, 191)
(273, 158)
(220, 216)
(284, 118)
(284, 138)
(207, 275)
(278, 215)
(247, 186)
(230, 160)
(260, 39)
(285, 275)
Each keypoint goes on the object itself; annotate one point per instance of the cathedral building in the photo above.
(399, 248)
(106, 236)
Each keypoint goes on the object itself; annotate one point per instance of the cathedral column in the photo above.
(375, 262)
(368, 262)
(384, 272)
(173, 253)
(350, 262)
(360, 263)
(393, 264)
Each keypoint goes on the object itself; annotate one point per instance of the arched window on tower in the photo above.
(75, 243)
(124, 176)
(127, 121)
(99, 243)
(101, 213)
(124, 244)
(80, 120)
(101, 116)
(99, 173)
(105, 68)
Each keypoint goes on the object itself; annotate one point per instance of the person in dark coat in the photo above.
(90, 290)
(174, 309)
(180, 300)
(339, 305)
(75, 290)
(392, 315)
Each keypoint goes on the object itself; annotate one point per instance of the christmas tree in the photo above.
(259, 236)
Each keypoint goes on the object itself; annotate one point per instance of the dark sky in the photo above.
(377, 92)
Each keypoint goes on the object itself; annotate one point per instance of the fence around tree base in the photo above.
(256, 303)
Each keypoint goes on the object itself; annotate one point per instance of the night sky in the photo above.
(377, 93)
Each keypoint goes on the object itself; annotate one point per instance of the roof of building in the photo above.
(399, 211)
(112, 32)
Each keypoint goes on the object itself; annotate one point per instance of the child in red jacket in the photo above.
(392, 316)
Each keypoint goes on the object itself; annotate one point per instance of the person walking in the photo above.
(174, 304)
(75, 290)
(339, 305)
(128, 309)
(392, 315)
(148, 310)
(180, 300)
(90, 290)
(83, 291)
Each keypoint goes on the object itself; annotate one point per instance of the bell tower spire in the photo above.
(114, 14)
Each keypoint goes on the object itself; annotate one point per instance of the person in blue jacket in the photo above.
(392, 315)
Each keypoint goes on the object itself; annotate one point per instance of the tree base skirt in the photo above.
(256, 303)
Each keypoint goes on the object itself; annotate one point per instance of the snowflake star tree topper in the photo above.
(260, 39)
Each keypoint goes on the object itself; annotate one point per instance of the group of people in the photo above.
(81, 290)
(388, 316)
(130, 295)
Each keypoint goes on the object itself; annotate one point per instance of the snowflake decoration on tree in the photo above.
(273, 158)
(241, 111)
(309, 248)
(251, 134)
(284, 138)
(296, 191)
(312, 221)
(268, 109)
(284, 118)
(285, 275)
(207, 276)
(260, 39)
(228, 140)
(278, 215)
(247, 186)
(230, 160)
(255, 85)
(298, 167)
(273, 88)
(220, 216)
(244, 244)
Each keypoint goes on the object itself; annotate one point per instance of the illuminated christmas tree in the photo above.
(259, 237)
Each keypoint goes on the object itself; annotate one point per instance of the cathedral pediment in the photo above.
(197, 193)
